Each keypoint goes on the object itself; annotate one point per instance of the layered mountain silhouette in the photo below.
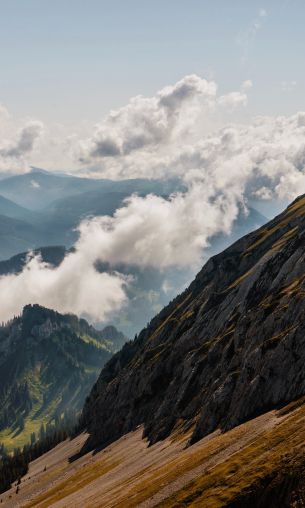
(41, 208)
(229, 348)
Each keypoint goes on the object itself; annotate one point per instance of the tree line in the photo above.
(15, 465)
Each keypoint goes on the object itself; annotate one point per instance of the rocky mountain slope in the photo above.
(229, 348)
(48, 363)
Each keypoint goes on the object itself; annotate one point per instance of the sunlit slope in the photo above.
(262, 459)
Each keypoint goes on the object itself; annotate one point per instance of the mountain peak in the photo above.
(48, 363)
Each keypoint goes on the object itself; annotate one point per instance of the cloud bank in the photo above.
(75, 286)
(161, 137)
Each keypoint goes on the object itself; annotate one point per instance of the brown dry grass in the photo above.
(129, 474)
(72, 484)
(247, 467)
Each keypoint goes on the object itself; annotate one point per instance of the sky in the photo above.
(207, 92)
(71, 61)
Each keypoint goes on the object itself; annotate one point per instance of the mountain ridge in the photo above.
(201, 361)
(48, 363)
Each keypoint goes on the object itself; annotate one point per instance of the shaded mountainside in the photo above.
(53, 255)
(230, 347)
(48, 363)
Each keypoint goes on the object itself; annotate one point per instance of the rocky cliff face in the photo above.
(230, 347)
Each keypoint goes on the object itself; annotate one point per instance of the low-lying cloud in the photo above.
(75, 286)
(162, 137)
(158, 232)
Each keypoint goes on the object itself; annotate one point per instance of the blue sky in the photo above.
(71, 60)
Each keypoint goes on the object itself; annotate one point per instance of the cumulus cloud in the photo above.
(158, 232)
(75, 286)
(269, 152)
(13, 154)
(25, 142)
(221, 170)
(233, 100)
(146, 123)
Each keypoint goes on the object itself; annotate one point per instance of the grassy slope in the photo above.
(13, 437)
(43, 410)
(215, 472)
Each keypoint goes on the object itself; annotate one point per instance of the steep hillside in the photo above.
(259, 464)
(48, 363)
(229, 348)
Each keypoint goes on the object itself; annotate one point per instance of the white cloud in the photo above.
(221, 170)
(14, 154)
(233, 100)
(155, 122)
(25, 142)
(146, 122)
(75, 286)
(161, 233)
(263, 193)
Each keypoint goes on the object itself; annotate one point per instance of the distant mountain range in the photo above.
(41, 208)
(37, 189)
(48, 363)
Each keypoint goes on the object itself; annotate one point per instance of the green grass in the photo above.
(90, 340)
(13, 438)
(16, 438)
